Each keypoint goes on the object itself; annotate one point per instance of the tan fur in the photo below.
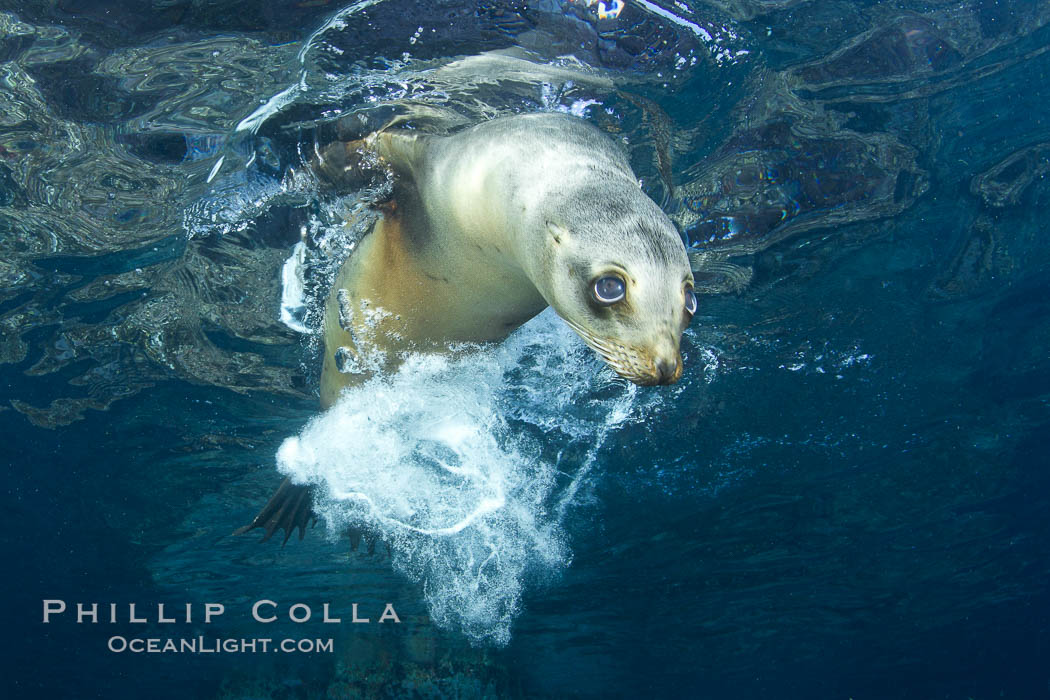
(491, 225)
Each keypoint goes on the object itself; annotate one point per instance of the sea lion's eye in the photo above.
(609, 289)
(690, 301)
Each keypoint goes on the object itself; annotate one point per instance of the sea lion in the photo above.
(485, 229)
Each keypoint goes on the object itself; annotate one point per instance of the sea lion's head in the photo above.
(616, 271)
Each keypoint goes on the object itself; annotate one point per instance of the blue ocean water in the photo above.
(846, 496)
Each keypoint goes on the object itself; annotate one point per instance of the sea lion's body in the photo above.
(463, 254)
(438, 268)
(486, 228)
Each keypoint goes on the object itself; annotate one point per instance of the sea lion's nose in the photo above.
(668, 370)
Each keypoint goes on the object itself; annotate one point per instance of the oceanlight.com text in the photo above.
(204, 645)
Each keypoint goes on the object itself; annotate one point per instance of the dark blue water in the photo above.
(845, 497)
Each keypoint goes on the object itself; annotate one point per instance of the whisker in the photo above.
(624, 360)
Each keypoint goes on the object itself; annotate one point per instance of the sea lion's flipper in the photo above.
(359, 535)
(290, 507)
(346, 166)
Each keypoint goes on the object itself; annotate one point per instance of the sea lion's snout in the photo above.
(661, 371)
(669, 370)
(664, 359)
